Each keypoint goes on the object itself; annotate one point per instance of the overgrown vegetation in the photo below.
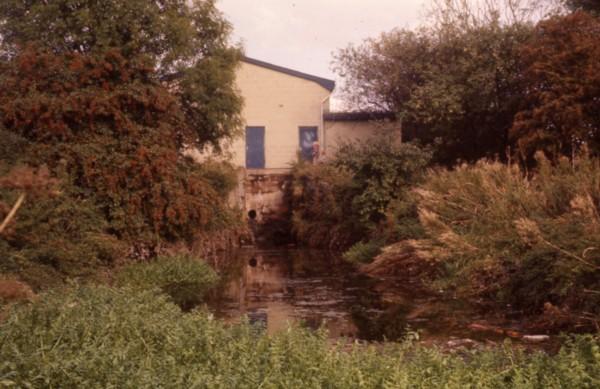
(509, 239)
(349, 198)
(100, 336)
(560, 113)
(90, 97)
(485, 79)
(362, 252)
(184, 278)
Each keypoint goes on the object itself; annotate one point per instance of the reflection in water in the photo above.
(279, 287)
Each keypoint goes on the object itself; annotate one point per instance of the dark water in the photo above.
(275, 288)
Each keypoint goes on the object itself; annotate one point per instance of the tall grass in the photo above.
(127, 338)
(508, 238)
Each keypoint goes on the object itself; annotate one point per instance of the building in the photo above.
(287, 116)
(286, 112)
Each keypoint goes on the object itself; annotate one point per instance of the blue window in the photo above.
(255, 147)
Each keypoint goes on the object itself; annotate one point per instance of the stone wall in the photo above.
(266, 204)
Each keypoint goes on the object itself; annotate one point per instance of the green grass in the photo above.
(132, 338)
(185, 279)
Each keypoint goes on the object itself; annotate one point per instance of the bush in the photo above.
(54, 238)
(105, 124)
(350, 198)
(103, 337)
(185, 279)
(382, 170)
(321, 216)
(221, 175)
(529, 242)
(362, 252)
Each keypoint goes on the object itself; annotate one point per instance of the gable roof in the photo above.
(325, 83)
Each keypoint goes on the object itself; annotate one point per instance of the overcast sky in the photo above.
(302, 34)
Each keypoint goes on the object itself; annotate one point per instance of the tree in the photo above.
(453, 83)
(561, 110)
(175, 36)
(115, 134)
(592, 6)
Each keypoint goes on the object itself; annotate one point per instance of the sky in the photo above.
(303, 34)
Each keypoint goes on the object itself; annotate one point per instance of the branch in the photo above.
(12, 212)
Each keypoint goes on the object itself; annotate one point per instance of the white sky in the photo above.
(302, 34)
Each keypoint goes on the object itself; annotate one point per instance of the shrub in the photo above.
(220, 174)
(103, 337)
(529, 242)
(362, 252)
(350, 198)
(105, 124)
(185, 279)
(321, 216)
(382, 170)
(54, 238)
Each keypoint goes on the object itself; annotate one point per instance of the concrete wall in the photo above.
(340, 131)
(281, 103)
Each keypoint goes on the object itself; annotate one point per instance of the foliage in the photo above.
(382, 169)
(454, 84)
(185, 279)
(592, 6)
(108, 95)
(508, 239)
(115, 136)
(346, 199)
(102, 337)
(561, 110)
(55, 238)
(362, 252)
(320, 216)
(221, 175)
(402, 219)
(174, 37)
(11, 149)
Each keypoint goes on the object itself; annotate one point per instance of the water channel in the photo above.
(276, 288)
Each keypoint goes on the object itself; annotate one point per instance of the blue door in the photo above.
(255, 147)
(308, 135)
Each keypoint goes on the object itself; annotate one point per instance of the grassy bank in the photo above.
(123, 337)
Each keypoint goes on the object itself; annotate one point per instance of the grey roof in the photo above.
(358, 116)
(325, 83)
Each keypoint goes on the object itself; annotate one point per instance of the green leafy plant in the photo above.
(105, 337)
(362, 252)
(349, 198)
(382, 170)
(184, 278)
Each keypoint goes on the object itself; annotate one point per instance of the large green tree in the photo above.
(189, 39)
(454, 83)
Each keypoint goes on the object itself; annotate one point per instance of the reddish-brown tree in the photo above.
(115, 134)
(561, 81)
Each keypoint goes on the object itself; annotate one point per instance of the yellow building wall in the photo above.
(338, 132)
(281, 103)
